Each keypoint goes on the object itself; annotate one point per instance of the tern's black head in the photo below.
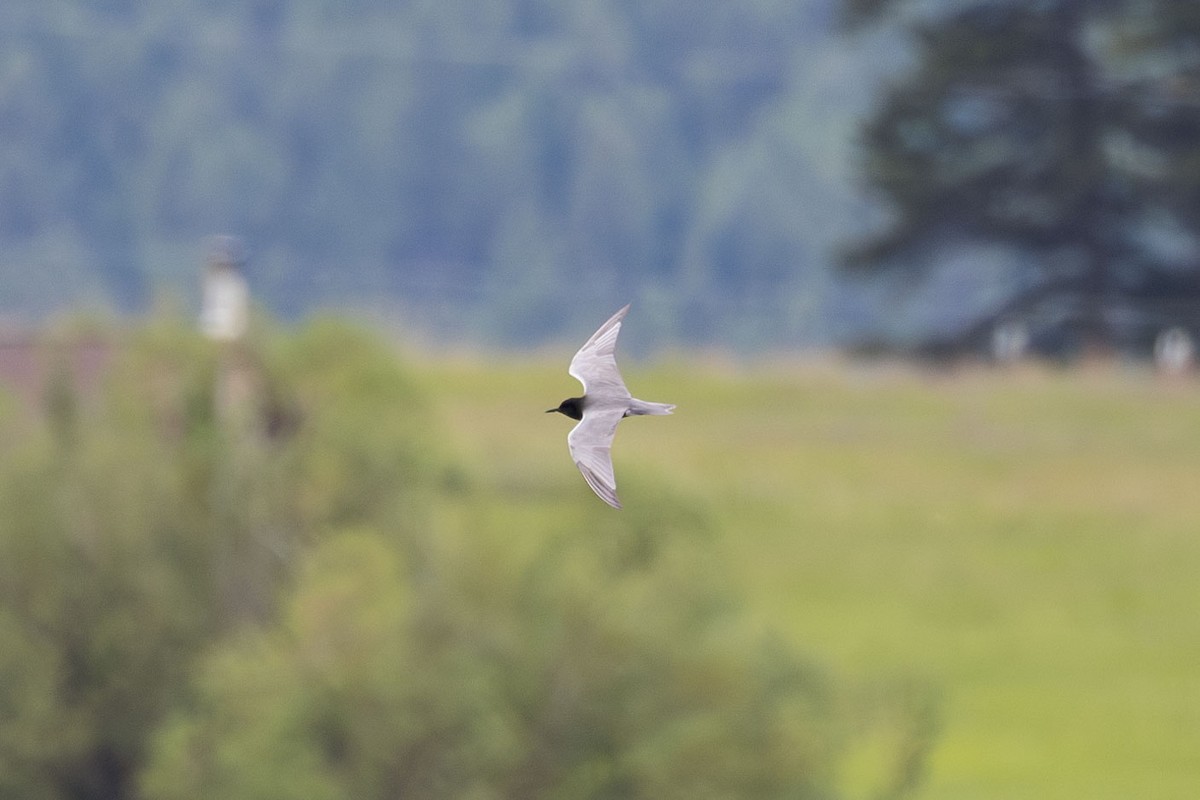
(572, 407)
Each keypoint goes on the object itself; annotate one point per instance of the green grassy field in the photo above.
(1027, 543)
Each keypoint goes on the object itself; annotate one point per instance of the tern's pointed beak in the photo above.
(551, 410)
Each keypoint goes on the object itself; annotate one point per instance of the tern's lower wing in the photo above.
(591, 449)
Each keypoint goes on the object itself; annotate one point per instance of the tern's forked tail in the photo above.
(637, 407)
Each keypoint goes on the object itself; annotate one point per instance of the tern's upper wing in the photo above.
(591, 449)
(594, 365)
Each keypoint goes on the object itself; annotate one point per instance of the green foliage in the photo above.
(365, 446)
(1025, 126)
(418, 156)
(161, 522)
(252, 571)
(585, 674)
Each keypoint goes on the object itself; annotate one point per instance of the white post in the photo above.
(1010, 340)
(224, 318)
(1174, 351)
(225, 312)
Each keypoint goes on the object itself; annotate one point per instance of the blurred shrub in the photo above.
(254, 573)
(581, 676)
(167, 508)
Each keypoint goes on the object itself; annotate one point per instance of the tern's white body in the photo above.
(605, 402)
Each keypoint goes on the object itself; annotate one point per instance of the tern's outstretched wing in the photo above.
(591, 449)
(594, 365)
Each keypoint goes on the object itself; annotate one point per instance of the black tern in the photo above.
(604, 403)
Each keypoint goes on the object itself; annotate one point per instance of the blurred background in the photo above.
(286, 286)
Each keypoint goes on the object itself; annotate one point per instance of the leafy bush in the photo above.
(145, 522)
(585, 673)
(255, 573)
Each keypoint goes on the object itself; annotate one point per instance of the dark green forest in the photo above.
(1063, 137)
(479, 168)
(258, 572)
(478, 172)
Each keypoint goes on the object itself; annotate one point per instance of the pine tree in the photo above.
(1039, 127)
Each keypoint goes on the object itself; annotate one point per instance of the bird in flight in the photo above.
(604, 403)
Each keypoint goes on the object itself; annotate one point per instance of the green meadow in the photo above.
(1024, 544)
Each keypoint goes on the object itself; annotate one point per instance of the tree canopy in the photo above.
(1057, 130)
(461, 167)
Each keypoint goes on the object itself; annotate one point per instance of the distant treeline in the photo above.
(478, 168)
